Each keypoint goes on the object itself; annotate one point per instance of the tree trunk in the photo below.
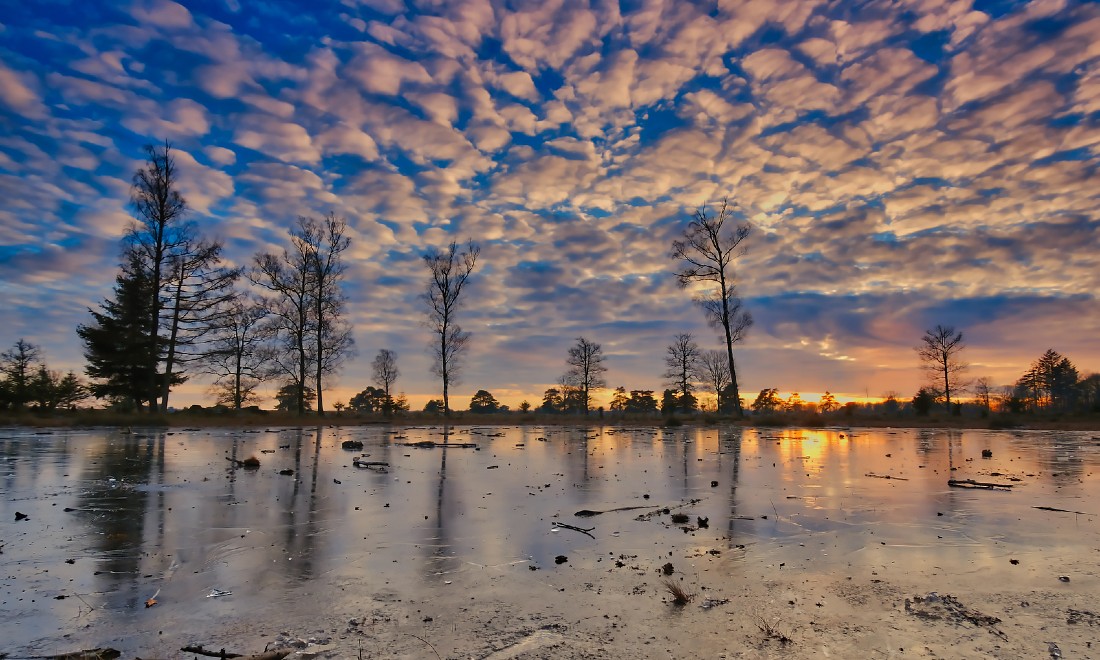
(237, 382)
(170, 357)
(734, 391)
(301, 339)
(446, 373)
(320, 340)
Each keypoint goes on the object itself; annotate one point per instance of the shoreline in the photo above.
(254, 419)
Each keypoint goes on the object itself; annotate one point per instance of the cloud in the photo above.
(380, 72)
(162, 14)
(17, 92)
(285, 141)
(892, 160)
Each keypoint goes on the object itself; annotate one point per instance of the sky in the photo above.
(903, 164)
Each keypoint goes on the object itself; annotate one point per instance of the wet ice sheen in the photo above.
(114, 518)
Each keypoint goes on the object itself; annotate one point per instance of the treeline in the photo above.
(179, 310)
(27, 382)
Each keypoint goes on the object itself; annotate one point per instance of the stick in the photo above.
(199, 650)
(370, 464)
(588, 513)
(885, 476)
(970, 483)
(90, 654)
(1051, 508)
(429, 646)
(576, 529)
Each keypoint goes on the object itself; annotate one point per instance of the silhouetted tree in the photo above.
(156, 235)
(767, 401)
(641, 401)
(333, 342)
(828, 403)
(198, 289)
(370, 400)
(1050, 383)
(119, 344)
(551, 401)
(890, 403)
(619, 399)
(939, 350)
(69, 391)
(708, 249)
(682, 359)
(1089, 388)
(291, 396)
(586, 370)
(572, 398)
(435, 406)
(525, 406)
(714, 369)
(484, 402)
(399, 403)
(923, 401)
(239, 351)
(449, 270)
(793, 403)
(983, 391)
(669, 401)
(18, 366)
(386, 374)
(307, 303)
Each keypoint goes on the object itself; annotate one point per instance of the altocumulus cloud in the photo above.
(903, 165)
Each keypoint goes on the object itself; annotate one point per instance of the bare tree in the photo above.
(450, 270)
(287, 278)
(17, 365)
(386, 374)
(239, 351)
(682, 358)
(716, 372)
(586, 370)
(156, 235)
(983, 392)
(198, 287)
(939, 350)
(708, 248)
(333, 341)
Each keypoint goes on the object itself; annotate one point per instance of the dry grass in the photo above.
(771, 631)
(680, 595)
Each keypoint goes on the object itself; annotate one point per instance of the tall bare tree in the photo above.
(682, 358)
(716, 372)
(157, 233)
(709, 246)
(386, 374)
(939, 350)
(450, 269)
(307, 304)
(198, 287)
(586, 370)
(333, 342)
(287, 278)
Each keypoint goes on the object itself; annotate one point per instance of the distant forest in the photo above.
(179, 311)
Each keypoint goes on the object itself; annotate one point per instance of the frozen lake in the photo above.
(109, 520)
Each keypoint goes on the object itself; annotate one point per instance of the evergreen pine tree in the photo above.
(118, 344)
